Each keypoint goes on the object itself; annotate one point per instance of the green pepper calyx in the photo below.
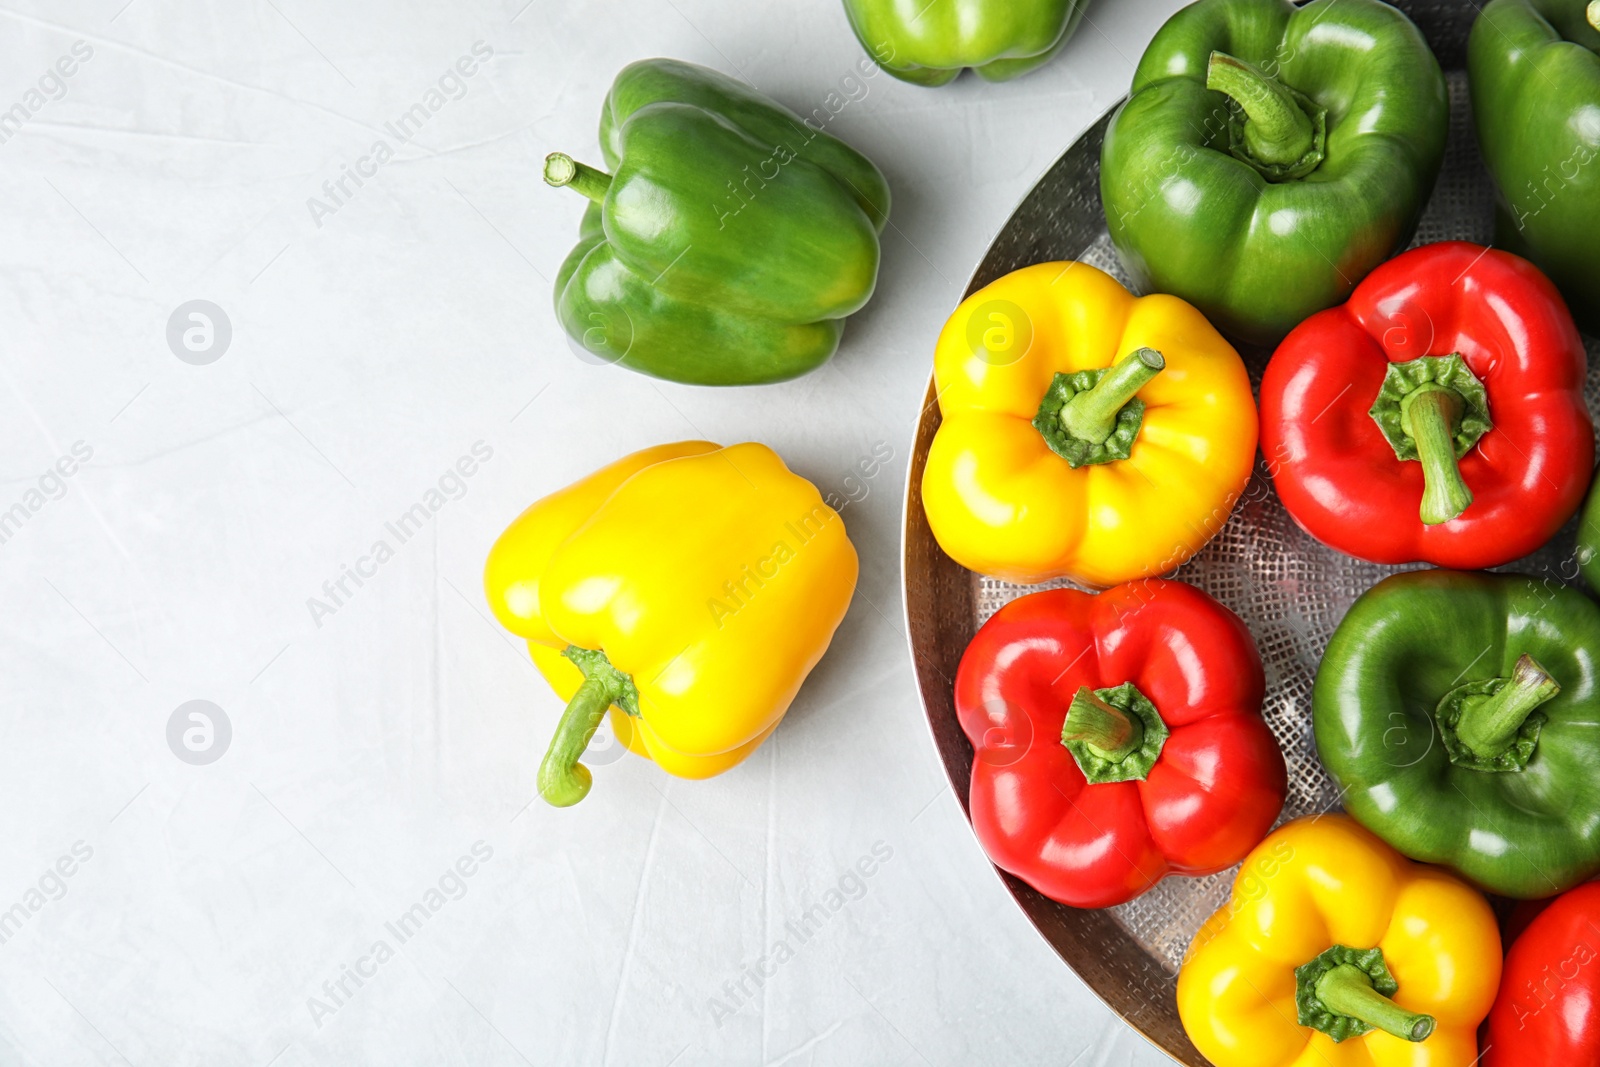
(1114, 735)
(563, 781)
(561, 170)
(1493, 725)
(1093, 416)
(1345, 992)
(1277, 130)
(1433, 409)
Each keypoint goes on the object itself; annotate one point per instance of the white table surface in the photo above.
(375, 746)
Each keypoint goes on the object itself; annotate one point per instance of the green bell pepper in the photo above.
(1269, 156)
(1585, 559)
(730, 240)
(1457, 712)
(1534, 70)
(930, 43)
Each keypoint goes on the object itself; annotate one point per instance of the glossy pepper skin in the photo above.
(1305, 164)
(1534, 70)
(730, 239)
(1456, 711)
(929, 44)
(1318, 885)
(1083, 792)
(1493, 469)
(689, 588)
(1548, 1010)
(1015, 484)
(1585, 558)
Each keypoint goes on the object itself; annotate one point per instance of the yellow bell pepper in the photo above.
(1049, 465)
(1336, 951)
(689, 588)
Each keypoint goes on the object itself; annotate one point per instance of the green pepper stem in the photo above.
(1092, 414)
(1110, 732)
(1279, 132)
(1346, 990)
(561, 169)
(1488, 727)
(1593, 13)
(563, 781)
(1430, 417)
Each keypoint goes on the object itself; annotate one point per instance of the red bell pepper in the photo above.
(1548, 1008)
(1437, 416)
(1118, 738)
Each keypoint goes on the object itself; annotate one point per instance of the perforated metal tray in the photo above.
(1290, 590)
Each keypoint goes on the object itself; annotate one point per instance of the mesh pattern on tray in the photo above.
(1290, 590)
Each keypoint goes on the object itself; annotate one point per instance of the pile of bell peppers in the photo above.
(1420, 407)
(1427, 406)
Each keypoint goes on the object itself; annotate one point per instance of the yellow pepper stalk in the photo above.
(689, 588)
(1336, 951)
(1087, 433)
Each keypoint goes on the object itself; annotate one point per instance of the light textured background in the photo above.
(371, 751)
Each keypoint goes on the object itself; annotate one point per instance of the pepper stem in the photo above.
(1430, 417)
(1489, 726)
(1114, 734)
(563, 781)
(1092, 414)
(1279, 132)
(1346, 990)
(561, 169)
(1111, 733)
(1593, 14)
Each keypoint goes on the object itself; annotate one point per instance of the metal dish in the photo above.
(1290, 590)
